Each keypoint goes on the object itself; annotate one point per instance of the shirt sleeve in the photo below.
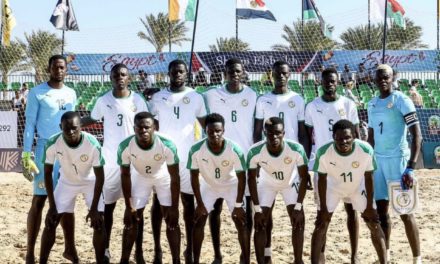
(319, 166)
(98, 159)
(239, 160)
(123, 156)
(406, 105)
(97, 112)
(171, 156)
(201, 111)
(49, 154)
(31, 113)
(308, 115)
(353, 114)
(192, 161)
(301, 110)
(252, 160)
(259, 112)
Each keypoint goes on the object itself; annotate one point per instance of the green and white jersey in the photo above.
(218, 170)
(289, 107)
(118, 115)
(323, 115)
(281, 170)
(76, 163)
(150, 163)
(238, 111)
(177, 113)
(345, 173)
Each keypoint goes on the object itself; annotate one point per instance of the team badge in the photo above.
(390, 104)
(355, 164)
(41, 185)
(341, 112)
(186, 100)
(225, 163)
(84, 157)
(403, 199)
(287, 160)
(254, 4)
(157, 157)
(245, 102)
(291, 104)
(133, 108)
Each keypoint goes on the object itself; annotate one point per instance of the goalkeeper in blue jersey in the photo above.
(390, 115)
(46, 104)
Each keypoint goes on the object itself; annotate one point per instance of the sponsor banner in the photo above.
(8, 129)
(402, 60)
(430, 126)
(10, 160)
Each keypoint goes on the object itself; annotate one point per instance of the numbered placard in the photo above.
(8, 129)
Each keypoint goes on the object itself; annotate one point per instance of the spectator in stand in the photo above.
(18, 102)
(145, 81)
(414, 94)
(349, 93)
(24, 90)
(266, 78)
(396, 80)
(347, 76)
(318, 75)
(362, 76)
(201, 78)
(216, 78)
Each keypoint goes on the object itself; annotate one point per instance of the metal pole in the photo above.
(438, 35)
(192, 43)
(384, 43)
(62, 44)
(369, 26)
(169, 28)
(236, 30)
(2, 21)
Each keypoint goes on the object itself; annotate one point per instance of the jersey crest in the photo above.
(84, 158)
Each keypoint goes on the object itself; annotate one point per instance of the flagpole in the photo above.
(62, 44)
(169, 27)
(369, 25)
(236, 30)
(438, 29)
(192, 43)
(384, 43)
(2, 21)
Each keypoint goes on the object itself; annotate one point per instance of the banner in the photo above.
(402, 60)
(430, 126)
(8, 129)
(10, 160)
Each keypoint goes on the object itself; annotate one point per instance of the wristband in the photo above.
(298, 207)
(257, 208)
(238, 205)
(411, 164)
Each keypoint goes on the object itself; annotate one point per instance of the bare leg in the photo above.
(318, 241)
(242, 239)
(297, 238)
(378, 239)
(269, 227)
(188, 217)
(198, 235)
(353, 230)
(139, 239)
(129, 236)
(412, 233)
(156, 224)
(33, 225)
(260, 238)
(214, 225)
(173, 235)
(249, 222)
(48, 239)
(68, 225)
(385, 221)
(99, 239)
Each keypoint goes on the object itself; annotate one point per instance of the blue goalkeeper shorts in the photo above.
(39, 186)
(388, 169)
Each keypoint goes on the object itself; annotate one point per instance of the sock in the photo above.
(417, 260)
(268, 252)
(388, 255)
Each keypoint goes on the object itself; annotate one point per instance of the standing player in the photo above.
(153, 157)
(45, 106)
(321, 114)
(287, 105)
(345, 170)
(222, 166)
(236, 103)
(117, 107)
(77, 152)
(390, 115)
(278, 159)
(177, 108)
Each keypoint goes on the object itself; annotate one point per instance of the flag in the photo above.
(182, 10)
(8, 22)
(395, 12)
(63, 16)
(247, 9)
(310, 11)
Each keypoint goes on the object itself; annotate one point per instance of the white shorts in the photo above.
(65, 196)
(210, 195)
(142, 187)
(316, 191)
(268, 192)
(185, 179)
(358, 199)
(112, 185)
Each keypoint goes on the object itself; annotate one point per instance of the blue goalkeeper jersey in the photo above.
(44, 108)
(390, 117)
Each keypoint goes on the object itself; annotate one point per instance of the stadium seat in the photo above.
(70, 84)
(200, 89)
(254, 83)
(15, 86)
(293, 83)
(95, 84)
(309, 82)
(435, 93)
(430, 83)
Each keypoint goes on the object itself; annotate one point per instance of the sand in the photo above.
(16, 196)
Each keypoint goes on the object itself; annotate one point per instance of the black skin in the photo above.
(216, 143)
(144, 133)
(275, 145)
(57, 71)
(344, 140)
(384, 80)
(329, 84)
(71, 130)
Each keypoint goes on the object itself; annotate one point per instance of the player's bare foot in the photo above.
(355, 260)
(71, 256)
(139, 258)
(30, 259)
(157, 257)
(217, 260)
(267, 260)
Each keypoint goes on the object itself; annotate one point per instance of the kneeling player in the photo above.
(345, 168)
(222, 165)
(278, 159)
(155, 159)
(77, 152)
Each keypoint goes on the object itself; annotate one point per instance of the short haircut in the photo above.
(118, 66)
(414, 81)
(143, 115)
(384, 67)
(279, 64)
(175, 63)
(57, 57)
(329, 71)
(232, 61)
(69, 115)
(343, 124)
(214, 118)
(273, 121)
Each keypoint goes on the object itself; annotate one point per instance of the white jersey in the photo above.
(289, 107)
(177, 113)
(280, 171)
(323, 115)
(238, 111)
(345, 174)
(118, 115)
(149, 163)
(218, 170)
(76, 163)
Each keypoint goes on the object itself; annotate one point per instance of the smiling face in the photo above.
(344, 140)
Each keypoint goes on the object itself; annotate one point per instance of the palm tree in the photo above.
(158, 31)
(40, 46)
(10, 58)
(229, 44)
(304, 36)
(397, 38)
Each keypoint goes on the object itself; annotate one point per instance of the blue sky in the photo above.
(111, 26)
